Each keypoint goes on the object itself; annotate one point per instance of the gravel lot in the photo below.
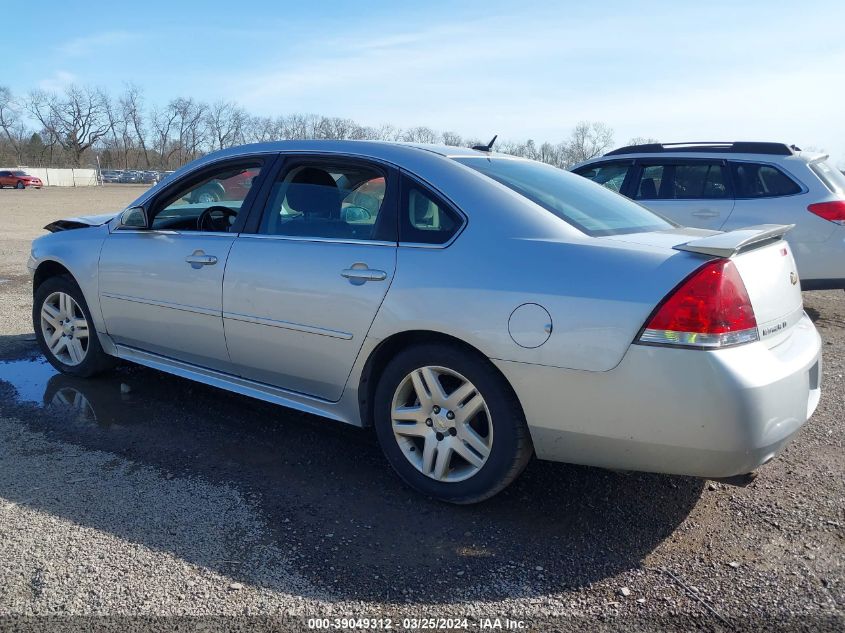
(140, 494)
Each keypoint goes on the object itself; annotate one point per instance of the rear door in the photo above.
(692, 192)
(304, 282)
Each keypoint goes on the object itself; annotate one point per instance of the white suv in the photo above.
(726, 186)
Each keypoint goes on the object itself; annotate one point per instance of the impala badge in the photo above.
(793, 278)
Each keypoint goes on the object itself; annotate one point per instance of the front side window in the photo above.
(755, 180)
(327, 201)
(592, 209)
(611, 175)
(211, 203)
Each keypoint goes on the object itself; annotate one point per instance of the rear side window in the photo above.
(591, 209)
(336, 201)
(832, 178)
(681, 181)
(424, 217)
(611, 175)
(755, 180)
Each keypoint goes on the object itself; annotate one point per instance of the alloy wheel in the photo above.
(65, 328)
(442, 424)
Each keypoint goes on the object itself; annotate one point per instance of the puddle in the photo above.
(35, 382)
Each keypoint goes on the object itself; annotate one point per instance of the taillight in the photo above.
(710, 309)
(833, 211)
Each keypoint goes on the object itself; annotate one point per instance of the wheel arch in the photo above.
(47, 269)
(392, 345)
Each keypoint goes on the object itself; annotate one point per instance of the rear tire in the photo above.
(471, 416)
(73, 347)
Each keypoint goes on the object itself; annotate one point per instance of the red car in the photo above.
(18, 179)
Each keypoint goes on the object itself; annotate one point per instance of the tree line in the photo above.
(72, 127)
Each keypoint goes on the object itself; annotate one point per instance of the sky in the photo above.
(675, 71)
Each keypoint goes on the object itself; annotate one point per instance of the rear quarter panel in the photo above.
(598, 293)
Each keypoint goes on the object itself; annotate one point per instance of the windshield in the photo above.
(832, 178)
(587, 206)
(19, 173)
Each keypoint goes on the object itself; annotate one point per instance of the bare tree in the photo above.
(588, 140)
(260, 129)
(451, 138)
(162, 122)
(420, 135)
(120, 140)
(132, 106)
(10, 122)
(180, 131)
(642, 140)
(226, 122)
(77, 119)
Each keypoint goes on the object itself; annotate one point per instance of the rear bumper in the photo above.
(689, 412)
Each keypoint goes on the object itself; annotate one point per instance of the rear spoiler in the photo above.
(730, 243)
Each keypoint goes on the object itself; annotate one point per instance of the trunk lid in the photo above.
(764, 261)
(771, 279)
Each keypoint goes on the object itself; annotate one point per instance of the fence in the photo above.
(62, 177)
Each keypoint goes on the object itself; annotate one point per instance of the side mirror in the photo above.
(134, 218)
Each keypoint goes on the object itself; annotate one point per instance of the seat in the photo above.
(424, 212)
(314, 193)
(648, 190)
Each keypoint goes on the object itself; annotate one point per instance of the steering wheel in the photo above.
(216, 218)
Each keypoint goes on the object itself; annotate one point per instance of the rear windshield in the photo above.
(830, 176)
(587, 206)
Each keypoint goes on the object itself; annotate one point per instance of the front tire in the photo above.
(20, 185)
(449, 423)
(64, 329)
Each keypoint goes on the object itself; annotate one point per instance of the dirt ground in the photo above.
(138, 499)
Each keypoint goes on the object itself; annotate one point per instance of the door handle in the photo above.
(198, 259)
(360, 275)
(706, 213)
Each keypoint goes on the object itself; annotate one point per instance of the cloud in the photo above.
(536, 76)
(96, 43)
(60, 80)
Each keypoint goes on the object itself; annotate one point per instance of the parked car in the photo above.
(476, 310)
(130, 177)
(150, 177)
(18, 179)
(726, 186)
(234, 187)
(110, 175)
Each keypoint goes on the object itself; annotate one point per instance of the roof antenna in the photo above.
(488, 147)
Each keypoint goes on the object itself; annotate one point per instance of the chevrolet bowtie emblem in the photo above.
(793, 278)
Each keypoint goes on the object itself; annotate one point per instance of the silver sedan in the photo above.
(474, 308)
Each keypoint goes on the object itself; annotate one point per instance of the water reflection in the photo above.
(101, 401)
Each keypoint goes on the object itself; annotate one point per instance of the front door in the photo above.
(301, 292)
(161, 287)
(690, 192)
